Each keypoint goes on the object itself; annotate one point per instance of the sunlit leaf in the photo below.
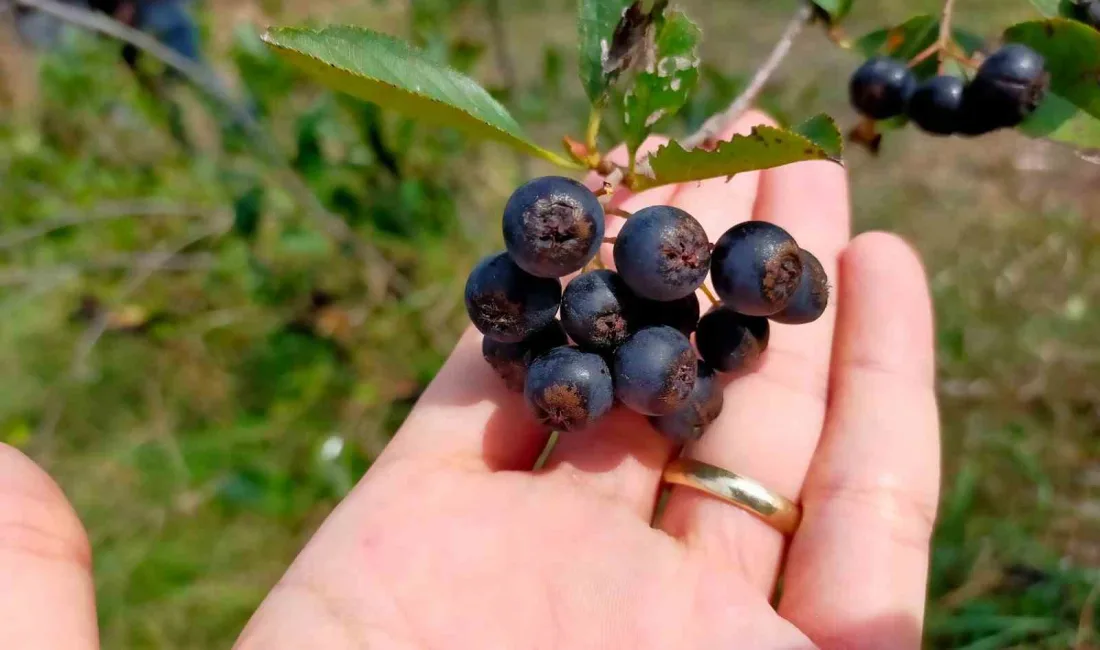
(662, 89)
(1072, 52)
(390, 73)
(596, 20)
(836, 9)
(1061, 121)
(765, 147)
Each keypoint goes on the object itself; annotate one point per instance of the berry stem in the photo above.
(945, 40)
(619, 212)
(592, 133)
(924, 54)
(709, 294)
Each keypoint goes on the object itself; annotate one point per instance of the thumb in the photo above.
(47, 598)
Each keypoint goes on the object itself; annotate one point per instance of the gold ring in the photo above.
(777, 511)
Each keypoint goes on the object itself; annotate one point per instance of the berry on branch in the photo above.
(729, 341)
(568, 389)
(553, 226)
(597, 310)
(880, 88)
(756, 268)
(654, 371)
(702, 407)
(1009, 85)
(812, 296)
(511, 360)
(936, 105)
(662, 253)
(508, 304)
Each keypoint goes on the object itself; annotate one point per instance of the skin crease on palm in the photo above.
(451, 541)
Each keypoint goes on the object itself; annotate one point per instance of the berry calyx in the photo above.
(662, 253)
(508, 304)
(936, 105)
(569, 390)
(597, 310)
(756, 268)
(729, 341)
(1009, 85)
(812, 296)
(654, 371)
(702, 407)
(511, 360)
(880, 88)
(553, 226)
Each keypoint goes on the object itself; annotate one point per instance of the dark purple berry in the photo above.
(568, 389)
(597, 310)
(880, 87)
(729, 341)
(1009, 85)
(682, 314)
(756, 268)
(812, 296)
(553, 226)
(702, 407)
(663, 253)
(1088, 12)
(508, 304)
(511, 360)
(654, 371)
(936, 105)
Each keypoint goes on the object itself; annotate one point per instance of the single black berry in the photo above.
(511, 360)
(654, 370)
(729, 341)
(936, 105)
(880, 88)
(568, 389)
(663, 253)
(553, 226)
(682, 314)
(702, 407)
(508, 304)
(812, 296)
(1088, 12)
(597, 310)
(756, 268)
(1009, 85)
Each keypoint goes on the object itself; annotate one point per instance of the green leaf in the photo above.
(1059, 120)
(1053, 8)
(596, 20)
(765, 147)
(836, 9)
(823, 131)
(389, 72)
(1072, 52)
(662, 89)
(910, 38)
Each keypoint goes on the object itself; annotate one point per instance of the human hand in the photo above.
(451, 541)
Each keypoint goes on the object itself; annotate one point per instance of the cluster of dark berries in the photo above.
(1088, 12)
(1008, 86)
(625, 336)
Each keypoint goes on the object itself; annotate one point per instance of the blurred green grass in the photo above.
(236, 400)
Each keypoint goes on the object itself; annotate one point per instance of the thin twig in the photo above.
(98, 327)
(179, 263)
(716, 124)
(107, 211)
(384, 272)
(710, 295)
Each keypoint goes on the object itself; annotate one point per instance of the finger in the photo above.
(46, 595)
(468, 417)
(774, 415)
(870, 498)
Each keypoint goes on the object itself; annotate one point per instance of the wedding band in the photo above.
(777, 511)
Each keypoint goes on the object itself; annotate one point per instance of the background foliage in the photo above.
(240, 390)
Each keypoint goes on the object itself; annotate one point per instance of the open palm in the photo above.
(452, 541)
